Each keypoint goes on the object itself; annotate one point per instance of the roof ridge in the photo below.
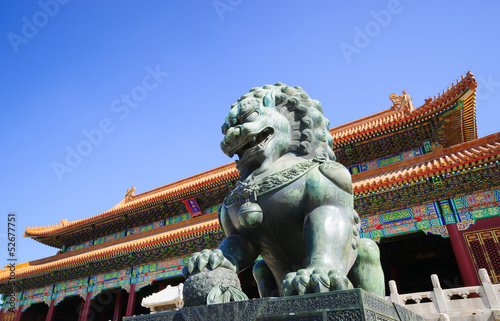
(85, 256)
(139, 199)
(392, 115)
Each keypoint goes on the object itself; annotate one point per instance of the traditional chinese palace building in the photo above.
(427, 189)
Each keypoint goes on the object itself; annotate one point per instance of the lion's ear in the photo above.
(269, 99)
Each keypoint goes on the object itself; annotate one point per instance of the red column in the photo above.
(19, 313)
(131, 301)
(118, 306)
(52, 308)
(86, 308)
(464, 261)
(1, 314)
(81, 311)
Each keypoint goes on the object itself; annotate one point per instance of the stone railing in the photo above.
(467, 303)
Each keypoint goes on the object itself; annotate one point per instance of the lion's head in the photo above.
(271, 121)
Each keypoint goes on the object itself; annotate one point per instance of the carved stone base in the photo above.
(353, 304)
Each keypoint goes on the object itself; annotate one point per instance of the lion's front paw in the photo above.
(314, 281)
(211, 258)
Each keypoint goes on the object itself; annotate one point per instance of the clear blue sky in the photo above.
(70, 69)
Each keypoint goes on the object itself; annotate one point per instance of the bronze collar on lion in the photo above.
(246, 194)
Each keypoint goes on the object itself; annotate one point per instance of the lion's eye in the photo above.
(252, 116)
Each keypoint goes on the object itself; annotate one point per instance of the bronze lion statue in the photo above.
(293, 204)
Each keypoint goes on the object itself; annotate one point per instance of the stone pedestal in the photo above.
(353, 304)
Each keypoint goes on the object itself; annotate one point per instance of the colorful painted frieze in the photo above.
(168, 273)
(170, 263)
(110, 276)
(115, 275)
(79, 246)
(432, 218)
(71, 284)
(477, 200)
(477, 206)
(366, 166)
(150, 268)
(160, 270)
(158, 275)
(108, 285)
(399, 217)
(76, 291)
(212, 209)
(140, 229)
(178, 218)
(38, 293)
(41, 298)
(417, 218)
(60, 295)
(483, 213)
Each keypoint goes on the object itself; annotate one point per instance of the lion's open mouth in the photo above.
(257, 142)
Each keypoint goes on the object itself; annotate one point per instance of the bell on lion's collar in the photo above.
(250, 215)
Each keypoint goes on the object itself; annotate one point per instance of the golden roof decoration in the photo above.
(402, 102)
(402, 114)
(130, 194)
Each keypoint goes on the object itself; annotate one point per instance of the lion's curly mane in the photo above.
(310, 135)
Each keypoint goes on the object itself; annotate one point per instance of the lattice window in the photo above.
(484, 248)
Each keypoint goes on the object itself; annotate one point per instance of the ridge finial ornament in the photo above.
(130, 194)
(402, 102)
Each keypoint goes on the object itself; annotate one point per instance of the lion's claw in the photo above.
(288, 288)
(314, 281)
(211, 258)
(320, 282)
(339, 281)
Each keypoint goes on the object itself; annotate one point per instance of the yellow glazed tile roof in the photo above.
(474, 153)
(176, 190)
(393, 118)
(161, 239)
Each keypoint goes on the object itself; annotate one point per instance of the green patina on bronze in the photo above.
(293, 204)
(225, 294)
